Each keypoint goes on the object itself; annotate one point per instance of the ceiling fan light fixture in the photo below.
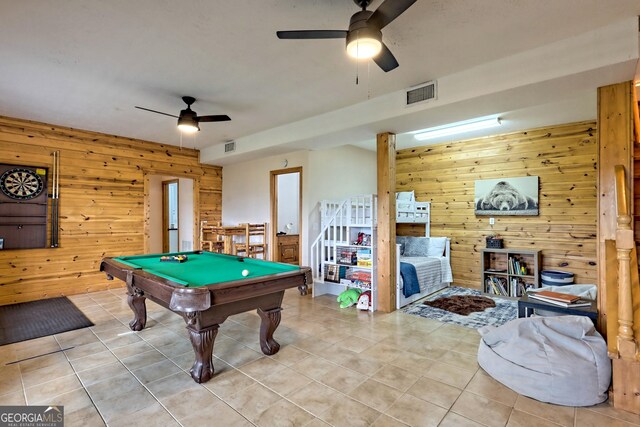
(364, 44)
(188, 125)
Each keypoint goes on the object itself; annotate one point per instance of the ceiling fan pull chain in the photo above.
(368, 80)
(357, 72)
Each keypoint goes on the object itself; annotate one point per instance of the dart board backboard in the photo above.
(23, 206)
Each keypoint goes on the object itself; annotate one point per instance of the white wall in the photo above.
(155, 214)
(288, 202)
(185, 212)
(326, 174)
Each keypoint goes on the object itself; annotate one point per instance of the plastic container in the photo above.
(494, 243)
(556, 278)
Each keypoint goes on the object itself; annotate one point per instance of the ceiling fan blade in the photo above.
(312, 34)
(216, 118)
(158, 112)
(385, 59)
(388, 11)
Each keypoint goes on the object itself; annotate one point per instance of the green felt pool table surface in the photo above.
(205, 268)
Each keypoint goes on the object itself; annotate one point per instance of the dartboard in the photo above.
(22, 184)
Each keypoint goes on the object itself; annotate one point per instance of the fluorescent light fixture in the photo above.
(455, 128)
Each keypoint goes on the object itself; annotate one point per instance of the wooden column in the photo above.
(615, 138)
(386, 240)
(614, 148)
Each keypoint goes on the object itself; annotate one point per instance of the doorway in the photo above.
(170, 212)
(286, 215)
(170, 221)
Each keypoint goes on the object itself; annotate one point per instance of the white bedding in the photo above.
(431, 271)
(434, 272)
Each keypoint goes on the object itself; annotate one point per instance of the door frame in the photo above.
(147, 172)
(273, 176)
(165, 213)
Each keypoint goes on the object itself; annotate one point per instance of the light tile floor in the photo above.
(335, 367)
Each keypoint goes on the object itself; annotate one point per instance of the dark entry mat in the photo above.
(35, 319)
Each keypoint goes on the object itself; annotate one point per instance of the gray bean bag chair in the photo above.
(561, 360)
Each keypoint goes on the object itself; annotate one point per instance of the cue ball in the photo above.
(245, 273)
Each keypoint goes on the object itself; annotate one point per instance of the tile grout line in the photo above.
(136, 378)
(81, 383)
(172, 361)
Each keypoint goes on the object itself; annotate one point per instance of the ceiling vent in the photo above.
(421, 93)
(230, 147)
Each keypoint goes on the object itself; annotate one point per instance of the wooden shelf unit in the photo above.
(500, 275)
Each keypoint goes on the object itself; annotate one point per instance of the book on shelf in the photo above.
(578, 303)
(496, 286)
(517, 267)
(558, 296)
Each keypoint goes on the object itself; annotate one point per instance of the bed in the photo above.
(430, 258)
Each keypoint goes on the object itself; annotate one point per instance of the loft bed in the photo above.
(410, 211)
(423, 267)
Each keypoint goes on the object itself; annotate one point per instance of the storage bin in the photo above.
(556, 278)
(494, 242)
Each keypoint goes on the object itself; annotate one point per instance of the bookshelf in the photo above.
(509, 272)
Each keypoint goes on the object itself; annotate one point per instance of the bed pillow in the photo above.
(402, 241)
(416, 246)
(436, 246)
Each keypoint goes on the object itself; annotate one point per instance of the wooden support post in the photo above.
(386, 241)
(615, 144)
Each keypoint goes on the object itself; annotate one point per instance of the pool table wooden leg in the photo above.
(137, 303)
(270, 321)
(202, 342)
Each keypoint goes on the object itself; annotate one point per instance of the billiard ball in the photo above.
(245, 273)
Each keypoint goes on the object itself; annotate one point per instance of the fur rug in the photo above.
(505, 309)
(462, 304)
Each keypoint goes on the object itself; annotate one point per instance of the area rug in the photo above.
(462, 304)
(35, 319)
(504, 310)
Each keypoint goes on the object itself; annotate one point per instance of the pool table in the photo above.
(205, 290)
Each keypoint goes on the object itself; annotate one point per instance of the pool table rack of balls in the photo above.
(205, 288)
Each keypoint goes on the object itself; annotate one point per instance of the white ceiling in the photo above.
(87, 63)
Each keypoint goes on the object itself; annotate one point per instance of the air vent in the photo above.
(230, 146)
(422, 93)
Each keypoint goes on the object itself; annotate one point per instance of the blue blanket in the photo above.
(410, 279)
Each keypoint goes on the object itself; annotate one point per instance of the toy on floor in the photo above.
(349, 297)
(364, 301)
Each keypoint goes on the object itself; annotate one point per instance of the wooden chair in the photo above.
(211, 237)
(255, 241)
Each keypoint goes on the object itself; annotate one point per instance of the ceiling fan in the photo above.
(188, 120)
(364, 36)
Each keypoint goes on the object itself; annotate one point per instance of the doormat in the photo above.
(35, 319)
(504, 311)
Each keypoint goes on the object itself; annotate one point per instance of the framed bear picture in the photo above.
(507, 196)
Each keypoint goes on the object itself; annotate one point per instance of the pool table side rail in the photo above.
(162, 289)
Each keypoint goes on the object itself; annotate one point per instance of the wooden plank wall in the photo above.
(565, 160)
(101, 204)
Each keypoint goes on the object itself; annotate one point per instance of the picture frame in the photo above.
(507, 196)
